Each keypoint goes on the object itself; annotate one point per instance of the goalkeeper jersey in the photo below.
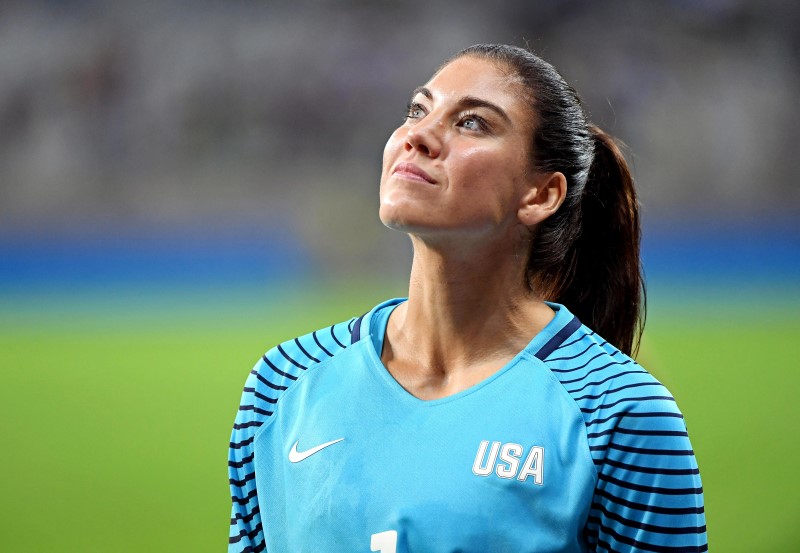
(570, 447)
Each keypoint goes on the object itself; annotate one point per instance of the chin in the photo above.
(392, 219)
(405, 220)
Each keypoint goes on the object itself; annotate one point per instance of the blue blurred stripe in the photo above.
(694, 252)
(193, 256)
(735, 250)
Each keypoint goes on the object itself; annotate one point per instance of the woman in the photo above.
(479, 414)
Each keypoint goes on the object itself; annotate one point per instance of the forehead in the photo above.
(480, 78)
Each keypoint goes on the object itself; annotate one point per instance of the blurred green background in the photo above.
(116, 413)
(184, 185)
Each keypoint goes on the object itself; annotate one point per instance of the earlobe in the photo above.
(543, 199)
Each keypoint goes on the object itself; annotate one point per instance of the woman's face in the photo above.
(459, 165)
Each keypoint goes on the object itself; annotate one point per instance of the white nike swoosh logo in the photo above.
(297, 456)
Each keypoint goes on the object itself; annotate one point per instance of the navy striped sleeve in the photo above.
(648, 495)
(274, 373)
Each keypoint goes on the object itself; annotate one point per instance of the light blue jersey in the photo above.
(571, 447)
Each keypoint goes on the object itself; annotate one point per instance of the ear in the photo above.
(543, 198)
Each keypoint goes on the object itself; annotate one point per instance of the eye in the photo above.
(470, 123)
(415, 111)
(473, 122)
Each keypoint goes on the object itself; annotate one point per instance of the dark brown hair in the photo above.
(586, 255)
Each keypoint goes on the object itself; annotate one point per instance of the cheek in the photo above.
(393, 147)
(390, 155)
(492, 171)
(492, 182)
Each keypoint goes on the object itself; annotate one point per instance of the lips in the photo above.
(412, 172)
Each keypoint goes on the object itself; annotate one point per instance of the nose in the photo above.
(425, 137)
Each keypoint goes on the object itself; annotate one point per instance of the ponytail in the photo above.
(606, 286)
(585, 255)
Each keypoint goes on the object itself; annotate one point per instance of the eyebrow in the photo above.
(422, 90)
(467, 102)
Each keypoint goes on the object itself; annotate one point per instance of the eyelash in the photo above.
(482, 124)
(410, 108)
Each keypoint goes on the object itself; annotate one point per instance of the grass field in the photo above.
(116, 412)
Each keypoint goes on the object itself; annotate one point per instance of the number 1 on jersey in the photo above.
(384, 542)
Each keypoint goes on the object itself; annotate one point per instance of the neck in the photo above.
(466, 316)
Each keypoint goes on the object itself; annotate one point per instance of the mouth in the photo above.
(412, 172)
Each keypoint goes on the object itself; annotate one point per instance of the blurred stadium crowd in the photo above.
(162, 160)
(267, 119)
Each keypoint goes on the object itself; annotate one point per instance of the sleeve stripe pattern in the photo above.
(649, 489)
(648, 495)
(239, 445)
(260, 396)
(579, 367)
(319, 344)
(649, 470)
(243, 481)
(676, 511)
(277, 370)
(246, 518)
(623, 400)
(333, 335)
(243, 462)
(633, 415)
(620, 430)
(646, 450)
(615, 390)
(266, 382)
(569, 357)
(274, 373)
(575, 341)
(647, 527)
(568, 330)
(644, 546)
(299, 345)
(292, 361)
(244, 533)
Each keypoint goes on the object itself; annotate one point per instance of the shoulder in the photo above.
(273, 374)
(599, 377)
(288, 360)
(648, 491)
(280, 368)
(615, 395)
(283, 365)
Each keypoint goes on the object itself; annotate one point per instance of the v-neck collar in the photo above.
(373, 328)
